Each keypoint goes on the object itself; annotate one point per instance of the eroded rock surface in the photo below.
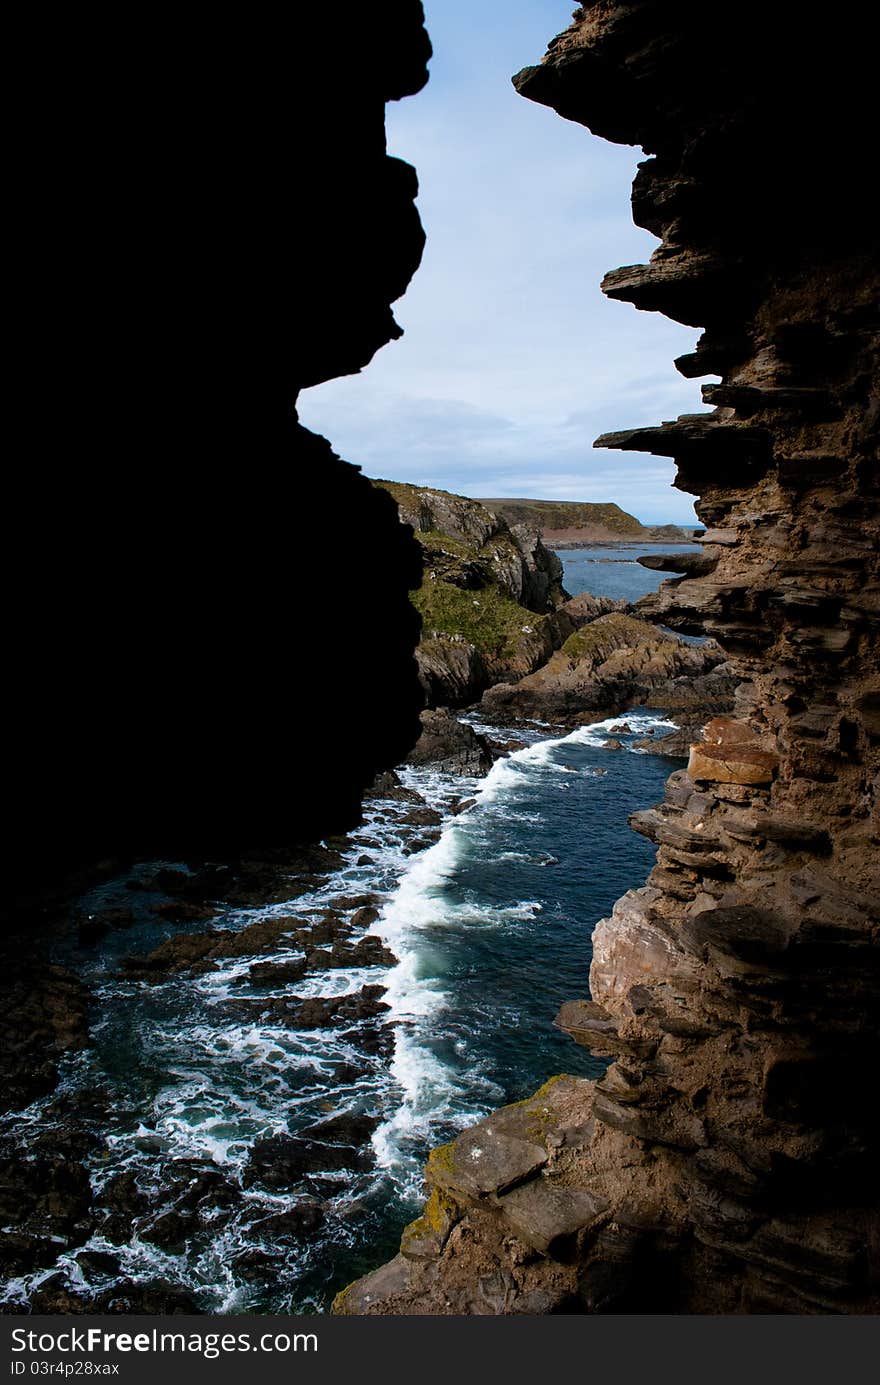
(611, 663)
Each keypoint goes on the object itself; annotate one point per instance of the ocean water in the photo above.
(615, 571)
(491, 926)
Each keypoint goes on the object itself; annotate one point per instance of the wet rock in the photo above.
(348, 1128)
(122, 1194)
(203, 883)
(194, 1186)
(276, 973)
(43, 1014)
(256, 1264)
(175, 955)
(266, 935)
(98, 1262)
(170, 1230)
(365, 916)
(622, 728)
(676, 744)
(317, 1012)
(417, 844)
(182, 911)
(296, 872)
(421, 817)
(158, 1299)
(21, 1253)
(279, 1162)
(508, 747)
(613, 744)
(70, 1143)
(375, 1040)
(388, 785)
(331, 926)
(297, 1223)
(450, 745)
(43, 1193)
(96, 926)
(90, 1103)
(367, 952)
(357, 901)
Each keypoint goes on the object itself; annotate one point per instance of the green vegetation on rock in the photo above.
(567, 514)
(487, 593)
(488, 619)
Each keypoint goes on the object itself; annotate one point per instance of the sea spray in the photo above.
(435, 1094)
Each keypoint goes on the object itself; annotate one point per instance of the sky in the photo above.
(512, 360)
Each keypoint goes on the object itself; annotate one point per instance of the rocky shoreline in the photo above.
(67, 1226)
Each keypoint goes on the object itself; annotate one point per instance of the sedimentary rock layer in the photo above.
(726, 1163)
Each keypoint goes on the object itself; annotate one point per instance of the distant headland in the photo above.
(573, 523)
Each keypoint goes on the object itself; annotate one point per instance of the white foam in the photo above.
(430, 1091)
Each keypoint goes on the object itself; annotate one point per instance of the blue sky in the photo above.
(512, 360)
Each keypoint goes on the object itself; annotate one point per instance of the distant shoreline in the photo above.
(619, 543)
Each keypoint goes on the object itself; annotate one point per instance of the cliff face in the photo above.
(725, 1163)
(171, 636)
(491, 596)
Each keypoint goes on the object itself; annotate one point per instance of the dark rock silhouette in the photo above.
(190, 667)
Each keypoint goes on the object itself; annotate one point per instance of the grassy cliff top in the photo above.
(488, 619)
(567, 514)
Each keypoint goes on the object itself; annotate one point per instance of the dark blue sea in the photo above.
(615, 571)
(491, 926)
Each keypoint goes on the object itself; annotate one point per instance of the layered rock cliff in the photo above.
(726, 1161)
(491, 598)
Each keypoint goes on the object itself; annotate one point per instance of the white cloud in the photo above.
(513, 361)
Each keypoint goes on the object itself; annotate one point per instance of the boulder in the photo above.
(732, 753)
(450, 745)
(542, 1213)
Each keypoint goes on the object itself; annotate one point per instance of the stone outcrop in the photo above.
(454, 672)
(450, 745)
(610, 664)
(485, 550)
(491, 598)
(730, 1166)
